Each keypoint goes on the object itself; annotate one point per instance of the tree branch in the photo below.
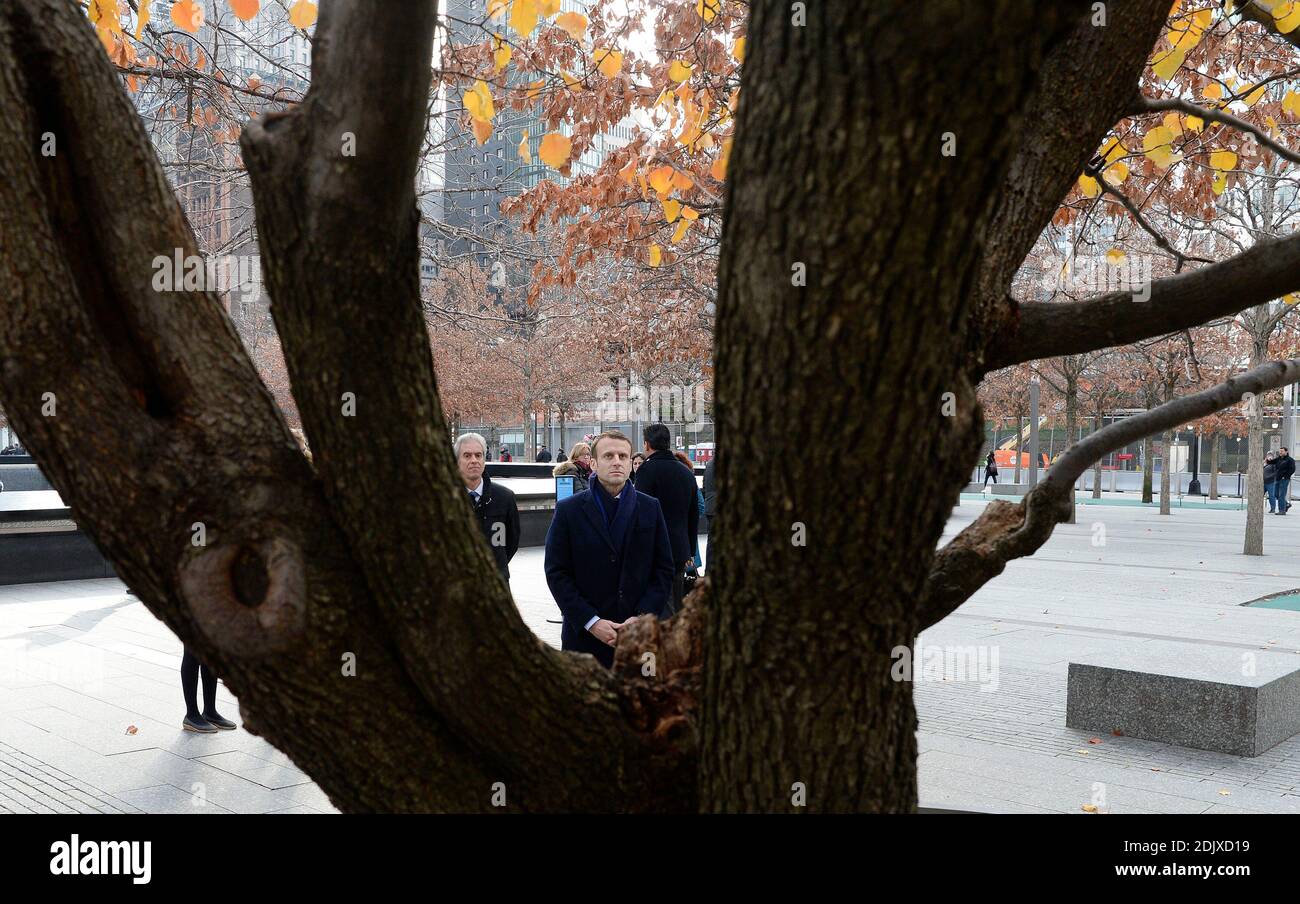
(1263, 272)
(1007, 531)
(1148, 105)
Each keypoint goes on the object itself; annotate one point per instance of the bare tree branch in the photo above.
(1007, 531)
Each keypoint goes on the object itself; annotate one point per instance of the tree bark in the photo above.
(1166, 465)
(1147, 495)
(1253, 541)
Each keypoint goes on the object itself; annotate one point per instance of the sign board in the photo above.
(563, 487)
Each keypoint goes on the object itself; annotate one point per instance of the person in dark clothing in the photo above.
(663, 477)
(990, 469)
(571, 469)
(209, 720)
(582, 460)
(505, 454)
(637, 461)
(1282, 487)
(1270, 480)
(543, 454)
(560, 456)
(494, 505)
(608, 557)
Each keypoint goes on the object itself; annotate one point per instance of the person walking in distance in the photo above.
(608, 558)
(1270, 480)
(990, 469)
(663, 477)
(1282, 486)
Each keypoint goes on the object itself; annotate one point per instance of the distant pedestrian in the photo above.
(990, 469)
(505, 454)
(693, 570)
(494, 505)
(1282, 486)
(663, 478)
(209, 720)
(560, 456)
(1270, 481)
(637, 461)
(543, 454)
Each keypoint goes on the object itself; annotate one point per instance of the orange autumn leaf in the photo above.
(245, 9)
(554, 150)
(573, 23)
(482, 130)
(302, 14)
(610, 62)
(188, 15)
(524, 154)
(661, 180)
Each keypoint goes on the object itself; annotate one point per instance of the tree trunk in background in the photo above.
(1214, 466)
(1071, 418)
(1147, 465)
(1166, 465)
(1253, 542)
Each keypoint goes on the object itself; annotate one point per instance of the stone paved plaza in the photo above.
(81, 664)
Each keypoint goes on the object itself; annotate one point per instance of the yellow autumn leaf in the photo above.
(1223, 160)
(1291, 298)
(143, 18)
(554, 150)
(656, 255)
(1212, 91)
(501, 56)
(482, 130)
(690, 213)
(1157, 145)
(680, 232)
(188, 15)
(572, 82)
(1168, 64)
(719, 168)
(1173, 122)
(671, 210)
(1220, 183)
(524, 154)
(523, 16)
(1253, 97)
(661, 180)
(738, 52)
(1195, 123)
(245, 10)
(1089, 186)
(708, 9)
(548, 8)
(1286, 17)
(1116, 173)
(681, 181)
(302, 14)
(103, 13)
(535, 89)
(1115, 257)
(478, 102)
(679, 71)
(497, 8)
(1112, 151)
(573, 23)
(610, 62)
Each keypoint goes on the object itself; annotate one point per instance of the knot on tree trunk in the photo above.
(249, 597)
(659, 663)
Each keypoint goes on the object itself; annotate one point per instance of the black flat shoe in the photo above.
(219, 723)
(199, 724)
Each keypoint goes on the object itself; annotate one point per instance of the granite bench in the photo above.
(1229, 700)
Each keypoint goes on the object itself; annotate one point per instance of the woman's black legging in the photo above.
(190, 668)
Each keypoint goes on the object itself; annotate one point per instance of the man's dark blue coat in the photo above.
(614, 573)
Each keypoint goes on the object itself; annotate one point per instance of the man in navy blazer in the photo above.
(608, 557)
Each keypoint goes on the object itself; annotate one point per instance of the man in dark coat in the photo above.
(608, 558)
(494, 505)
(543, 454)
(663, 477)
(1285, 468)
